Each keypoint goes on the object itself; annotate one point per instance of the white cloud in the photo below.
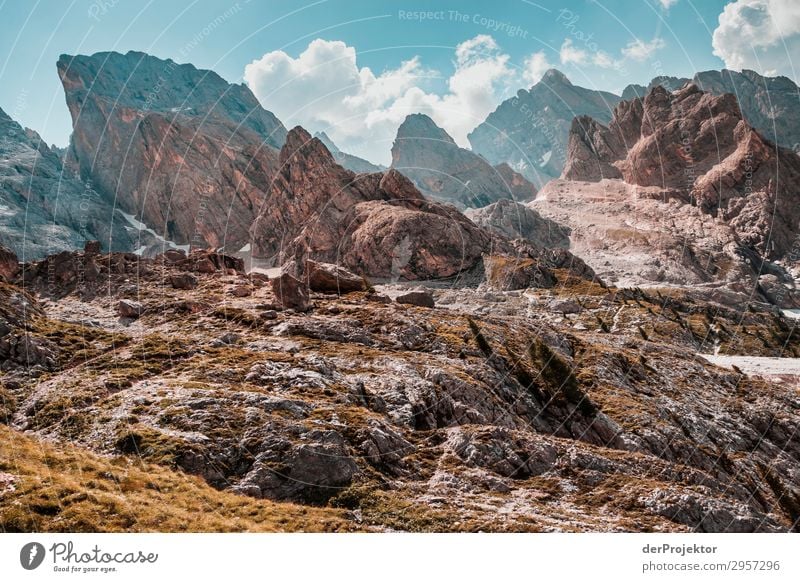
(569, 54)
(762, 35)
(535, 66)
(325, 89)
(572, 55)
(667, 4)
(639, 50)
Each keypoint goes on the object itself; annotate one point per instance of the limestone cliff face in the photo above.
(530, 130)
(182, 149)
(696, 147)
(444, 171)
(44, 207)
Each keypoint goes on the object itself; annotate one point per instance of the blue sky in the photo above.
(460, 58)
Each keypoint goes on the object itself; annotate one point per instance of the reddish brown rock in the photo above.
(376, 224)
(9, 265)
(130, 309)
(417, 298)
(290, 292)
(697, 149)
(189, 153)
(328, 278)
(184, 281)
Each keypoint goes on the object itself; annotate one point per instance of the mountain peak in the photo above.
(420, 126)
(553, 76)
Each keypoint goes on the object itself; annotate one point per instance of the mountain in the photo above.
(679, 188)
(770, 104)
(186, 152)
(351, 162)
(444, 171)
(44, 207)
(529, 131)
(377, 224)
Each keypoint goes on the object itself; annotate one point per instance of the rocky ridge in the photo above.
(769, 104)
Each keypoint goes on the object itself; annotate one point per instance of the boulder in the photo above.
(290, 292)
(418, 298)
(130, 309)
(508, 273)
(185, 281)
(313, 469)
(329, 278)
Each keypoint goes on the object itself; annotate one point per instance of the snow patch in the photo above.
(142, 227)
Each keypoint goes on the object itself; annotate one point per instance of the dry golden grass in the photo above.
(66, 489)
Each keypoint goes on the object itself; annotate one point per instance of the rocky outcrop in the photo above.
(769, 104)
(349, 161)
(443, 171)
(44, 207)
(189, 154)
(513, 220)
(529, 132)
(378, 225)
(695, 147)
(9, 264)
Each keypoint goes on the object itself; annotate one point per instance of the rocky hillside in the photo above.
(187, 153)
(573, 408)
(770, 104)
(44, 207)
(443, 171)
(530, 130)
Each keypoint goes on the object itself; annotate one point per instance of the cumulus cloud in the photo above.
(762, 35)
(324, 89)
(574, 55)
(535, 66)
(639, 50)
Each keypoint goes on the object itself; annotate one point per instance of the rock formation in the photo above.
(443, 171)
(189, 154)
(530, 130)
(378, 225)
(577, 407)
(695, 147)
(770, 104)
(44, 207)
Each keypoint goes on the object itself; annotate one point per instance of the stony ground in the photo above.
(577, 408)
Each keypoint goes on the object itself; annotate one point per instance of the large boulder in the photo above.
(508, 273)
(329, 278)
(290, 292)
(313, 469)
